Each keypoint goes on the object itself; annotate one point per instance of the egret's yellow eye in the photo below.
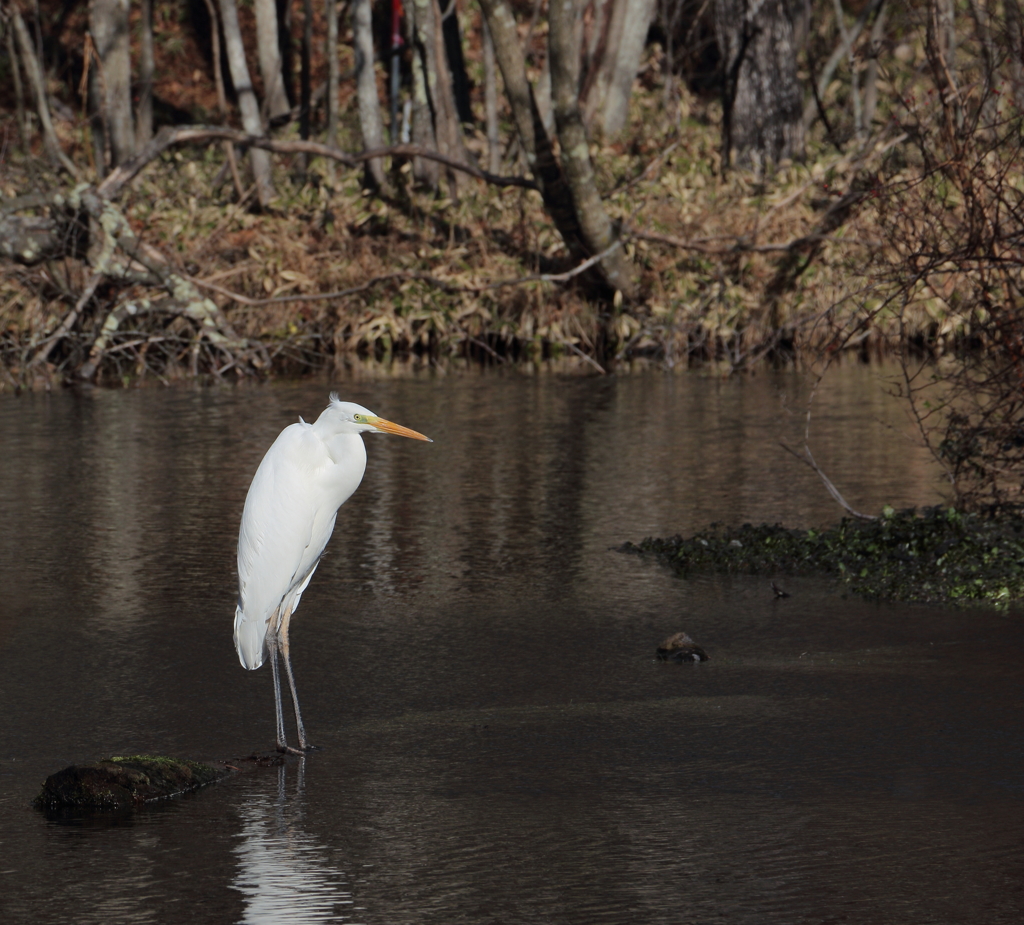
(359, 418)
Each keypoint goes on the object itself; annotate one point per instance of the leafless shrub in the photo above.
(951, 209)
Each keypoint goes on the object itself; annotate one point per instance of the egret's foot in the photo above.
(313, 748)
(288, 750)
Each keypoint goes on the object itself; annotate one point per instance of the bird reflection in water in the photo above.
(284, 874)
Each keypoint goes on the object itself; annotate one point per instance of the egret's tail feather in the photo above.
(249, 639)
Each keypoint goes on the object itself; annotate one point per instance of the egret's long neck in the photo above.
(346, 449)
(343, 474)
(344, 444)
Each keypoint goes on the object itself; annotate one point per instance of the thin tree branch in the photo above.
(388, 277)
(846, 39)
(588, 358)
(700, 245)
(640, 177)
(44, 350)
(808, 460)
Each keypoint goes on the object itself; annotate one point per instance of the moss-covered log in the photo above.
(115, 783)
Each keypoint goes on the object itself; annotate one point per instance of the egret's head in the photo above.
(348, 417)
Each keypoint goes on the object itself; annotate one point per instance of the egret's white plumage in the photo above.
(288, 518)
(306, 475)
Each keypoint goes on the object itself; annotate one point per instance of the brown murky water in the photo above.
(499, 743)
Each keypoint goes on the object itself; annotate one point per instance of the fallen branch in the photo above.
(169, 137)
(117, 254)
(588, 358)
(482, 344)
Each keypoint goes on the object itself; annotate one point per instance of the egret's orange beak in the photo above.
(389, 427)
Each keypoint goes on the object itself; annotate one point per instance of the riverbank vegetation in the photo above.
(877, 207)
(937, 554)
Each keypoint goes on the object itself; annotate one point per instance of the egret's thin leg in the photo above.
(285, 651)
(282, 745)
(274, 644)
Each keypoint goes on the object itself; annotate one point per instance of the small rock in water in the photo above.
(119, 782)
(681, 648)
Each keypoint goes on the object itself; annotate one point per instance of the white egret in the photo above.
(309, 472)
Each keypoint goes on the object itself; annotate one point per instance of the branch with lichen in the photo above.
(116, 253)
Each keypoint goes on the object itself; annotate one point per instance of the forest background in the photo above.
(238, 187)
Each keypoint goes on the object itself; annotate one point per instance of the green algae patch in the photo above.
(937, 554)
(115, 783)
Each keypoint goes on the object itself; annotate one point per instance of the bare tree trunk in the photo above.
(19, 92)
(940, 48)
(491, 101)
(536, 143)
(447, 124)
(451, 34)
(247, 104)
(306, 77)
(99, 131)
(596, 36)
(947, 30)
(607, 103)
(596, 229)
(762, 99)
(394, 69)
(851, 62)
(35, 80)
(559, 195)
(333, 73)
(639, 17)
(108, 24)
(601, 51)
(669, 16)
(501, 25)
(871, 72)
(222, 104)
(269, 54)
(848, 38)
(435, 119)
(542, 96)
(287, 46)
(424, 172)
(144, 117)
(1015, 34)
(371, 122)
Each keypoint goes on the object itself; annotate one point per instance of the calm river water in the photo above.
(499, 743)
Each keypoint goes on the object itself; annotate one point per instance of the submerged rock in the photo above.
(681, 648)
(114, 783)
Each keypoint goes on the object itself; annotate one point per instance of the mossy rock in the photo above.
(115, 783)
(939, 554)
